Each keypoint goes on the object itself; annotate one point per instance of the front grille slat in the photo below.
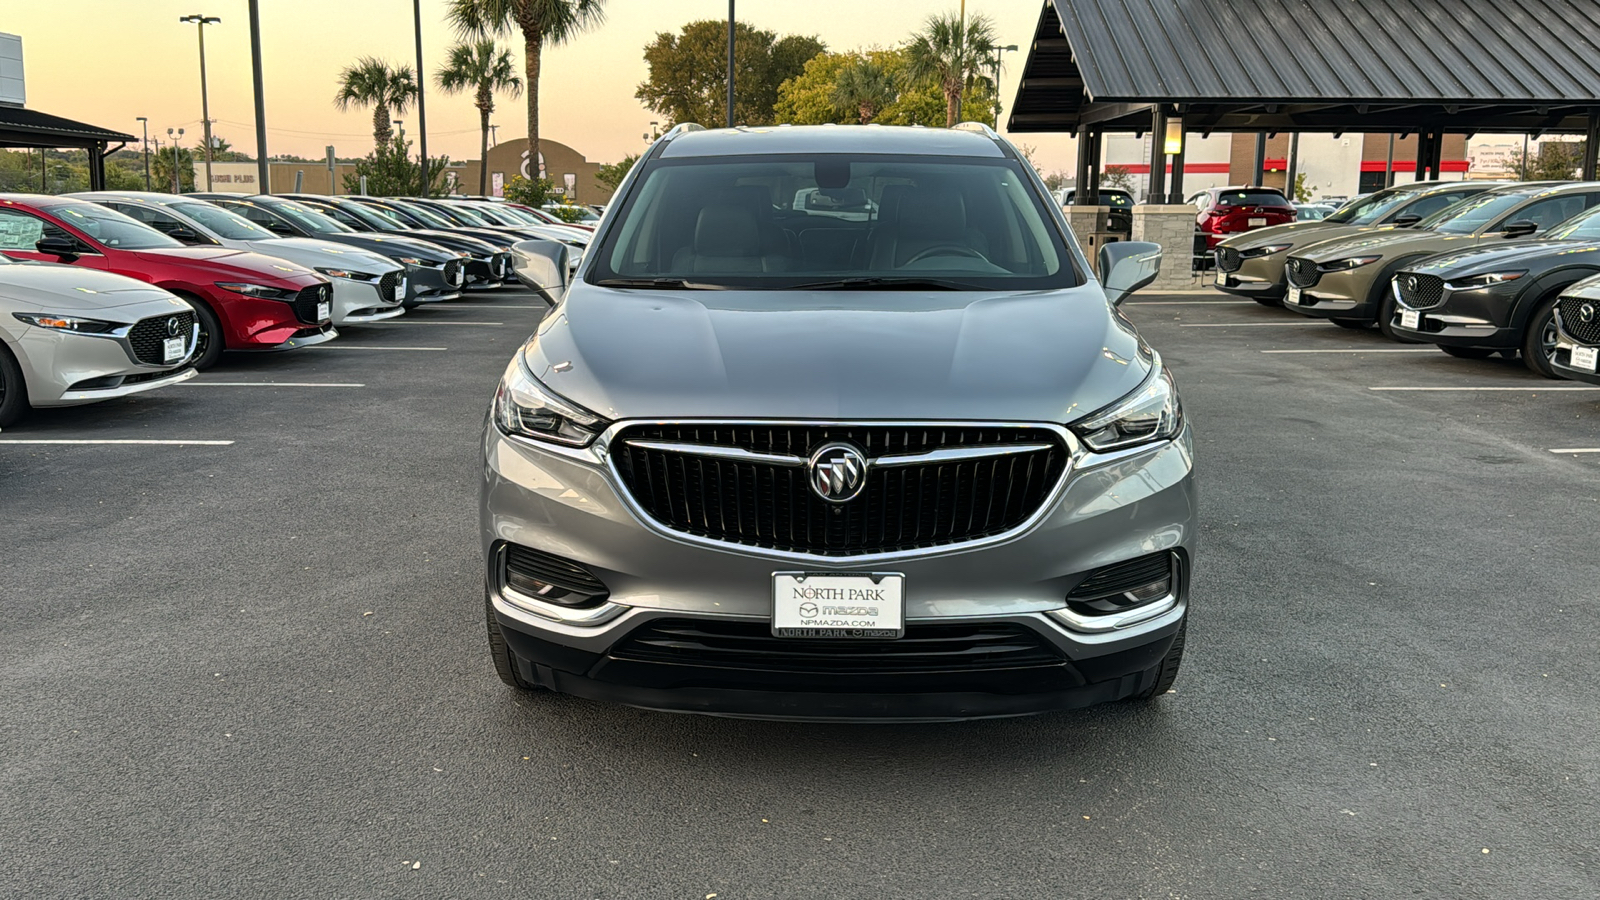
(305, 302)
(899, 508)
(1302, 273)
(1420, 291)
(1228, 259)
(148, 337)
(1571, 311)
(389, 285)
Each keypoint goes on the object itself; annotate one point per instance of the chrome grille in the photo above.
(454, 272)
(1570, 312)
(305, 302)
(1302, 272)
(1228, 259)
(148, 336)
(1420, 291)
(764, 504)
(388, 285)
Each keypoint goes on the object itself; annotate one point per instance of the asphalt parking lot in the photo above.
(258, 668)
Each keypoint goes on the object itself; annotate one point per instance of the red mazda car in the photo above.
(1227, 211)
(244, 301)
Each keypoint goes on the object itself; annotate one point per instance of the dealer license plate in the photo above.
(1222, 278)
(1410, 318)
(172, 349)
(1258, 223)
(1584, 358)
(400, 291)
(1293, 296)
(838, 606)
(324, 310)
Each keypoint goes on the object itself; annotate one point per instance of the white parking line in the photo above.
(403, 322)
(338, 346)
(1244, 324)
(157, 443)
(1190, 303)
(1575, 449)
(1374, 350)
(1535, 389)
(336, 384)
(448, 305)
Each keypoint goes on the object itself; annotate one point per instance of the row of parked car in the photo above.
(1477, 268)
(108, 293)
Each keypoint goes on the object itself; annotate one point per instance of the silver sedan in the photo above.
(70, 335)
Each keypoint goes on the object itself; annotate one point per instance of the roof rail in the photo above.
(681, 128)
(975, 128)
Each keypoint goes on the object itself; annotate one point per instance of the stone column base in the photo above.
(1172, 227)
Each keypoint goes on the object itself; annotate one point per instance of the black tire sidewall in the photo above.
(1532, 343)
(211, 329)
(15, 402)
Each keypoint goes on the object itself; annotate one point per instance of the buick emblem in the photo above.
(173, 327)
(837, 472)
(1586, 313)
(1411, 284)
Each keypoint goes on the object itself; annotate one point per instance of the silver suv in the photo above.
(763, 460)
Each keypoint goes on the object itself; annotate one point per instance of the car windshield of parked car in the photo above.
(225, 224)
(110, 228)
(1470, 214)
(578, 213)
(461, 214)
(975, 224)
(1251, 198)
(1584, 227)
(1371, 208)
(310, 219)
(379, 219)
(427, 216)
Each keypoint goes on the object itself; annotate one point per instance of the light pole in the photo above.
(144, 121)
(494, 135)
(262, 175)
(205, 106)
(1009, 48)
(176, 146)
(422, 114)
(730, 63)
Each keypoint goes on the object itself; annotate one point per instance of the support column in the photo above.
(1591, 147)
(97, 168)
(1260, 167)
(1158, 157)
(1294, 163)
(1421, 163)
(1388, 167)
(1085, 174)
(1097, 146)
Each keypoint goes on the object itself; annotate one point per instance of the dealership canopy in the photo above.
(21, 127)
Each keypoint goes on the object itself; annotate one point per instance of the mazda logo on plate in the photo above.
(173, 327)
(1586, 313)
(1411, 284)
(808, 610)
(837, 472)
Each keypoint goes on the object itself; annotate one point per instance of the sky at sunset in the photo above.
(109, 61)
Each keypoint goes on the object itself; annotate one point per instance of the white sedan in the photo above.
(71, 335)
(366, 287)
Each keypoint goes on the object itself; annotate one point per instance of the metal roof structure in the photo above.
(21, 127)
(1313, 65)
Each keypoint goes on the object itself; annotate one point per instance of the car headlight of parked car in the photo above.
(1488, 279)
(1345, 265)
(525, 408)
(348, 274)
(413, 261)
(264, 292)
(1268, 250)
(67, 323)
(1151, 413)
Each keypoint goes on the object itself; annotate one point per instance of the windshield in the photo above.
(427, 216)
(581, 213)
(111, 228)
(498, 216)
(1371, 208)
(1251, 198)
(452, 214)
(1470, 214)
(379, 219)
(973, 224)
(224, 223)
(1585, 227)
(308, 218)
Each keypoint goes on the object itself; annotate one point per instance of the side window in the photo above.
(261, 217)
(155, 218)
(1548, 212)
(19, 231)
(1432, 203)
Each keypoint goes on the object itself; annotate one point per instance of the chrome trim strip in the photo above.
(957, 454)
(597, 615)
(1116, 621)
(734, 453)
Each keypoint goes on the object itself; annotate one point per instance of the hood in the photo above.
(1587, 289)
(1500, 255)
(391, 245)
(1384, 242)
(312, 252)
(1044, 356)
(467, 242)
(49, 286)
(1297, 233)
(233, 264)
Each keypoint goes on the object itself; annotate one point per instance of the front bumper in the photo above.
(1561, 362)
(307, 336)
(571, 504)
(355, 302)
(1345, 294)
(1257, 276)
(65, 369)
(1477, 317)
(428, 284)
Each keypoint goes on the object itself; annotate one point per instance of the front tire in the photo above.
(1468, 352)
(209, 346)
(1167, 672)
(505, 664)
(13, 390)
(1539, 339)
(1269, 301)
(1352, 324)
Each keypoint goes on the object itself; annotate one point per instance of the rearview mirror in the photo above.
(1520, 228)
(1127, 266)
(57, 246)
(541, 265)
(1407, 220)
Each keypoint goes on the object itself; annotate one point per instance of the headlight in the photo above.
(257, 290)
(350, 274)
(1344, 265)
(1149, 414)
(1486, 280)
(67, 323)
(1268, 250)
(413, 261)
(526, 408)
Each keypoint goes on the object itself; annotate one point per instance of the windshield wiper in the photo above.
(663, 284)
(880, 283)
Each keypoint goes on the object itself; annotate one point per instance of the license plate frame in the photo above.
(1410, 318)
(1292, 297)
(324, 310)
(836, 605)
(173, 349)
(1222, 278)
(1585, 359)
(1256, 222)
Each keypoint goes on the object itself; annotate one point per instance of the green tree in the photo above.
(534, 192)
(1550, 161)
(485, 70)
(161, 166)
(391, 172)
(688, 72)
(807, 98)
(541, 23)
(370, 82)
(611, 174)
(221, 150)
(951, 54)
(1303, 189)
(864, 87)
(1117, 178)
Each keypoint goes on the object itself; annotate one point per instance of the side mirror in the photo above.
(57, 246)
(541, 265)
(1520, 228)
(1406, 220)
(280, 228)
(1127, 266)
(185, 234)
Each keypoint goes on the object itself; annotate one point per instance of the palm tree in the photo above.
(484, 70)
(864, 87)
(952, 56)
(540, 22)
(370, 82)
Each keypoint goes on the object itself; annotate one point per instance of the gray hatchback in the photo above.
(765, 461)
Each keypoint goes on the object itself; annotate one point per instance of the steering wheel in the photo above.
(946, 250)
